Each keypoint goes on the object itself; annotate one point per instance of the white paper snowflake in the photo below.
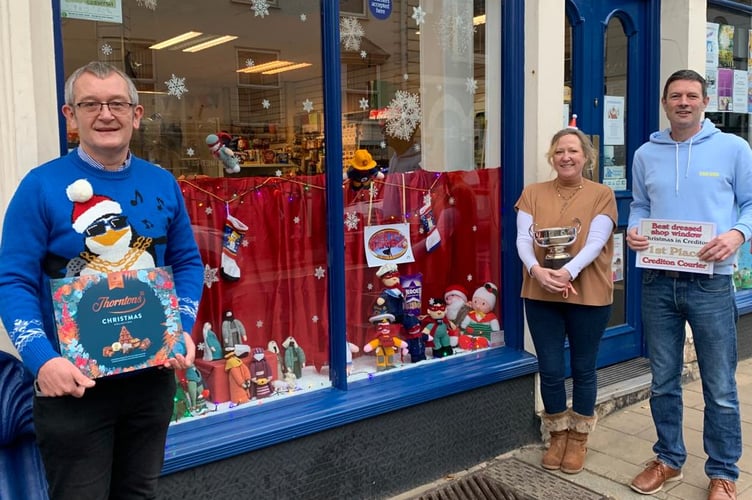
(403, 115)
(210, 276)
(107, 49)
(469, 278)
(369, 286)
(382, 144)
(419, 15)
(475, 229)
(406, 77)
(209, 211)
(303, 18)
(176, 86)
(260, 8)
(278, 173)
(201, 346)
(266, 104)
(315, 318)
(351, 221)
(249, 63)
(350, 33)
(296, 219)
(363, 54)
(363, 103)
(190, 152)
(245, 242)
(149, 4)
(471, 85)
(319, 273)
(307, 106)
(259, 323)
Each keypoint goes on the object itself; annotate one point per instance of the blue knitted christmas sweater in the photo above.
(69, 218)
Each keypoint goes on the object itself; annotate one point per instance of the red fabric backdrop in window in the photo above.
(282, 289)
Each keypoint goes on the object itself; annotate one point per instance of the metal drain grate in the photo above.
(512, 479)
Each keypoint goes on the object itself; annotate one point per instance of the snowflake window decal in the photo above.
(260, 8)
(176, 86)
(351, 221)
(210, 276)
(249, 63)
(403, 115)
(149, 4)
(319, 272)
(350, 33)
(106, 49)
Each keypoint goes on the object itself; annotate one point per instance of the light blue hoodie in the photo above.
(707, 178)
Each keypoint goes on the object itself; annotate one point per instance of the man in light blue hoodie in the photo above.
(692, 172)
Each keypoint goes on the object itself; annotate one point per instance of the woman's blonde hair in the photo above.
(587, 147)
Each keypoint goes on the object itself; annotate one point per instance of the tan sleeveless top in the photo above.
(594, 284)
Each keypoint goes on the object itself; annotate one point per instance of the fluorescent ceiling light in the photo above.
(286, 68)
(176, 39)
(210, 43)
(260, 68)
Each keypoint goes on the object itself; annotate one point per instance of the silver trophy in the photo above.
(556, 240)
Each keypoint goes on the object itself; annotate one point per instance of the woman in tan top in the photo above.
(567, 300)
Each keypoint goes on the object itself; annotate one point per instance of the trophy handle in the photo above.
(577, 224)
(531, 230)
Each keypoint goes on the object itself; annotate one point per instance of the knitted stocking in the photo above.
(233, 237)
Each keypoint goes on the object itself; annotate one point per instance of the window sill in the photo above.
(220, 436)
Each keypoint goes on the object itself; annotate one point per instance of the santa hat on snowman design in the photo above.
(87, 206)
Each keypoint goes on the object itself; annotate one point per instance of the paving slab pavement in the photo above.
(621, 446)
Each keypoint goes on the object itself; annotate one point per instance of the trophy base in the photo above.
(555, 263)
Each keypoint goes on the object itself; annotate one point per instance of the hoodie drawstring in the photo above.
(676, 164)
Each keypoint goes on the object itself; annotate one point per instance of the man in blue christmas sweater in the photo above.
(97, 209)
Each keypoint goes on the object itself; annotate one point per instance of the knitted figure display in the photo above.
(233, 332)
(261, 374)
(362, 170)
(457, 306)
(294, 356)
(211, 346)
(416, 343)
(440, 328)
(351, 348)
(234, 233)
(220, 151)
(481, 321)
(385, 346)
(391, 301)
(272, 346)
(239, 378)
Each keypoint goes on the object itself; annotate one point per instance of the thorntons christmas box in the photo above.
(113, 323)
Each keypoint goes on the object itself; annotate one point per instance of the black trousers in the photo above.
(110, 443)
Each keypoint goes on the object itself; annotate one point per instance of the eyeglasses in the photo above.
(100, 227)
(115, 107)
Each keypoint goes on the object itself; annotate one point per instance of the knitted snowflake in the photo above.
(350, 33)
(210, 276)
(403, 115)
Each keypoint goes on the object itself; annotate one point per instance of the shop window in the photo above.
(420, 98)
(728, 57)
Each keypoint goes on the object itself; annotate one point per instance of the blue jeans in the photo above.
(550, 324)
(708, 305)
(110, 443)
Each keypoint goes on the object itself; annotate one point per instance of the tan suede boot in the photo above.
(580, 427)
(557, 426)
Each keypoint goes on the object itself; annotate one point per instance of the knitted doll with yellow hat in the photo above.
(363, 170)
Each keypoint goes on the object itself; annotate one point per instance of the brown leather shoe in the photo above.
(655, 475)
(722, 489)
